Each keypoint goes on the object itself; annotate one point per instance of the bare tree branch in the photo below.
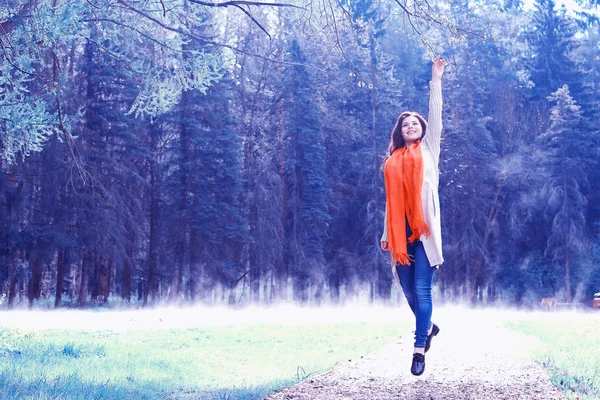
(10, 24)
(159, 23)
(423, 11)
(337, 39)
(117, 57)
(243, 3)
(6, 56)
(135, 30)
(247, 12)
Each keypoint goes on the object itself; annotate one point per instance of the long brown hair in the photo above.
(396, 139)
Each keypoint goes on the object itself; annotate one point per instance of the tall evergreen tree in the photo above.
(306, 215)
(113, 151)
(218, 223)
(564, 149)
(257, 105)
(552, 39)
(469, 185)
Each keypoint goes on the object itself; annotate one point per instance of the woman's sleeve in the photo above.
(384, 237)
(434, 120)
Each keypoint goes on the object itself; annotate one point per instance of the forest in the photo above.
(185, 151)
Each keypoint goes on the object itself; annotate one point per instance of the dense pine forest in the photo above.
(180, 151)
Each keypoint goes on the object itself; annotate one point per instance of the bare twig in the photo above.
(117, 57)
(6, 56)
(77, 164)
(238, 50)
(162, 44)
(10, 24)
(247, 12)
(159, 23)
(337, 38)
(243, 3)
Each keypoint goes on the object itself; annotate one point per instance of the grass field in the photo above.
(245, 361)
(71, 356)
(571, 351)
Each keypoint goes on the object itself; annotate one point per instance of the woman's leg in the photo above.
(423, 280)
(406, 274)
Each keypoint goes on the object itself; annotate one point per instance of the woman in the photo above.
(412, 229)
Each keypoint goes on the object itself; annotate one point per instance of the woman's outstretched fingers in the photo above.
(437, 69)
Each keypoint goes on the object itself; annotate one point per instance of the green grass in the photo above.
(571, 351)
(231, 362)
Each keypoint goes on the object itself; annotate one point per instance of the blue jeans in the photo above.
(416, 280)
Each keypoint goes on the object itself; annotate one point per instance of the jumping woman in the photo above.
(412, 228)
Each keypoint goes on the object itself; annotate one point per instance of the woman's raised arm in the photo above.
(434, 119)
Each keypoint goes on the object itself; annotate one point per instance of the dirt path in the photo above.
(475, 359)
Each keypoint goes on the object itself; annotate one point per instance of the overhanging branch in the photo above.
(8, 25)
(237, 3)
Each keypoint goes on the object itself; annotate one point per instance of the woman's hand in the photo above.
(437, 69)
(384, 245)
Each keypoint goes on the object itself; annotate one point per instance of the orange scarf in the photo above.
(403, 177)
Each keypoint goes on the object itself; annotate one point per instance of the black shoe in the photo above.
(434, 331)
(418, 364)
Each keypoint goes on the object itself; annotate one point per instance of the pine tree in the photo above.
(259, 81)
(552, 39)
(218, 227)
(470, 191)
(104, 203)
(364, 96)
(306, 215)
(565, 157)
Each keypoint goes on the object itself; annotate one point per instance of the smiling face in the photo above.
(410, 127)
(411, 130)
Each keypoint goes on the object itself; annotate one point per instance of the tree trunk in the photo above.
(127, 267)
(282, 265)
(568, 273)
(334, 288)
(11, 287)
(103, 271)
(60, 276)
(140, 289)
(317, 293)
(184, 190)
(232, 287)
(151, 284)
(272, 295)
(33, 286)
(85, 277)
(195, 268)
(11, 250)
(266, 282)
(254, 278)
(384, 290)
(301, 287)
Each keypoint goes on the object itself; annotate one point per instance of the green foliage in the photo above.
(144, 39)
(163, 86)
(233, 362)
(27, 125)
(553, 41)
(565, 162)
(570, 352)
(180, 168)
(307, 216)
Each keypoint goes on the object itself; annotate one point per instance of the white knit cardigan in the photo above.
(430, 148)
